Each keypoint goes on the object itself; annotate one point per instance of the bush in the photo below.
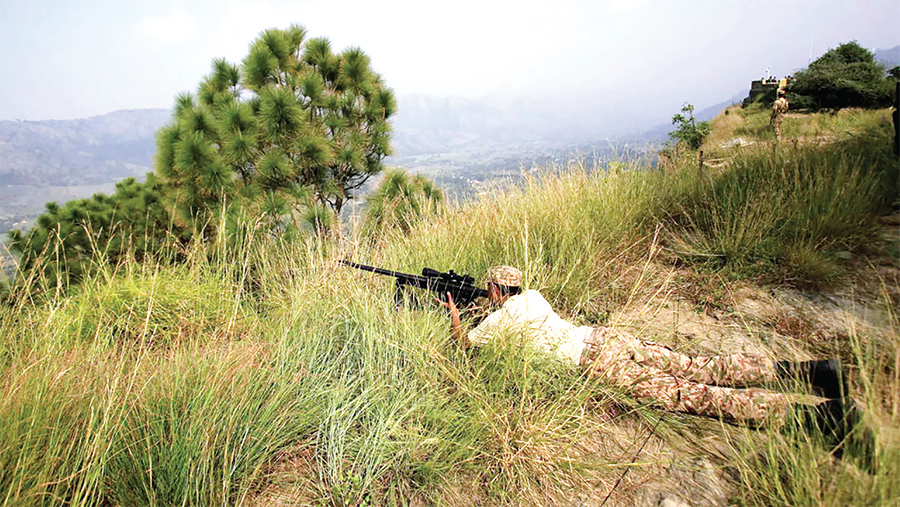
(847, 76)
(399, 201)
(70, 242)
(689, 131)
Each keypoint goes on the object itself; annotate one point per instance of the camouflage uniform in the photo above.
(647, 370)
(778, 109)
(688, 384)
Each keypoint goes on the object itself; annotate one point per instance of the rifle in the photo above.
(461, 287)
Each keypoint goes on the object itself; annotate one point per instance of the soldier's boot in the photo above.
(840, 424)
(827, 378)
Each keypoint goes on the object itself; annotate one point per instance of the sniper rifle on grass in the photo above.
(461, 287)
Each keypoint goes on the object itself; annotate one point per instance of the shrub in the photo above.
(846, 76)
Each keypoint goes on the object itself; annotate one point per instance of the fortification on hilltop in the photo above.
(764, 90)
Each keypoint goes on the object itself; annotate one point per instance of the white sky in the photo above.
(73, 59)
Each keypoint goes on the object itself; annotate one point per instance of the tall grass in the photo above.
(59, 416)
(789, 468)
(570, 234)
(789, 213)
(261, 371)
(135, 409)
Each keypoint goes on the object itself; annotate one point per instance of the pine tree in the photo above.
(69, 241)
(284, 139)
(296, 127)
(399, 201)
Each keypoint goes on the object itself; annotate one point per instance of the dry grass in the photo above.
(270, 374)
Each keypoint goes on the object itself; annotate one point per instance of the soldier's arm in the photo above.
(457, 331)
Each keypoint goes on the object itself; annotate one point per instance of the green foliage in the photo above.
(56, 430)
(314, 389)
(788, 216)
(334, 378)
(689, 131)
(149, 308)
(295, 126)
(787, 468)
(71, 241)
(281, 141)
(320, 219)
(569, 233)
(894, 72)
(846, 76)
(202, 430)
(399, 201)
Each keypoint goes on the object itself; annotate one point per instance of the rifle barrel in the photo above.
(373, 269)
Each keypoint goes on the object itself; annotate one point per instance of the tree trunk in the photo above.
(700, 165)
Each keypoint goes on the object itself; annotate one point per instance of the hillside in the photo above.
(62, 160)
(101, 149)
(464, 144)
(262, 372)
(888, 57)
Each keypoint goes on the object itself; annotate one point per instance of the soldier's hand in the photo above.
(449, 304)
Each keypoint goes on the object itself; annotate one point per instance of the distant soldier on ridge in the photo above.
(778, 109)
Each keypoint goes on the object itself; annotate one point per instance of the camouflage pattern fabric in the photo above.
(778, 109)
(687, 384)
(505, 275)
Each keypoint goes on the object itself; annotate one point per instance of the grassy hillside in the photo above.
(268, 374)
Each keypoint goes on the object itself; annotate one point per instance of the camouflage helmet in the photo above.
(507, 276)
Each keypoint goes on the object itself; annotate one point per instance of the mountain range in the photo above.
(79, 152)
(60, 160)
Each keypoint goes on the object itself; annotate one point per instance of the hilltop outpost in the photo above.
(762, 90)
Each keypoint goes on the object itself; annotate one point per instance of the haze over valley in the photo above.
(461, 143)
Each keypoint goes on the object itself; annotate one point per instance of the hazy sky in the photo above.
(71, 59)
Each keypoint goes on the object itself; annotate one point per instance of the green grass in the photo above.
(202, 417)
(261, 371)
(789, 213)
(789, 468)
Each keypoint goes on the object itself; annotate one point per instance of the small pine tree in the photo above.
(689, 132)
(399, 201)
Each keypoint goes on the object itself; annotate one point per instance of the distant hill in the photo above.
(454, 140)
(888, 57)
(95, 150)
(426, 124)
(62, 160)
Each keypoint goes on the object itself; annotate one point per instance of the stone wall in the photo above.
(762, 88)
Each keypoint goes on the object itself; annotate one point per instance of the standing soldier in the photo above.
(778, 109)
(699, 385)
